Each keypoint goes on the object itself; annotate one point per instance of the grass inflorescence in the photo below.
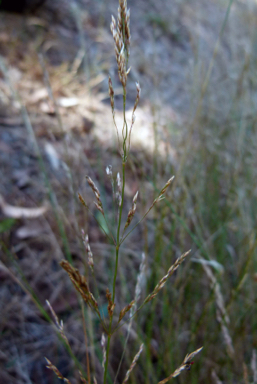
(121, 34)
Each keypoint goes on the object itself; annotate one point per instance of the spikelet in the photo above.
(59, 324)
(88, 250)
(126, 309)
(185, 365)
(163, 281)
(98, 204)
(81, 285)
(131, 212)
(56, 371)
(82, 200)
(111, 304)
(164, 189)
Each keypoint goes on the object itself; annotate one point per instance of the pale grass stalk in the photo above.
(254, 367)
(226, 336)
(103, 345)
(222, 315)
(215, 378)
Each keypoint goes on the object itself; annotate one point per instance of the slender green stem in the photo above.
(115, 271)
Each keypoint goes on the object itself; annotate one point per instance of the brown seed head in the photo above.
(56, 371)
(80, 284)
(126, 309)
(111, 304)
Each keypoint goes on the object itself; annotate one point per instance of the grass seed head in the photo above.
(163, 281)
(133, 364)
(56, 371)
(126, 309)
(111, 304)
(80, 284)
(185, 365)
(59, 324)
(131, 211)
(88, 250)
(111, 93)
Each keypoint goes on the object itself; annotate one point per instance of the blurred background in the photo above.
(196, 63)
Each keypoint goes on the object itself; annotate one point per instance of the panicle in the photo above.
(123, 23)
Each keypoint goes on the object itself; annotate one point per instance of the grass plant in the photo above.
(211, 301)
(121, 35)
